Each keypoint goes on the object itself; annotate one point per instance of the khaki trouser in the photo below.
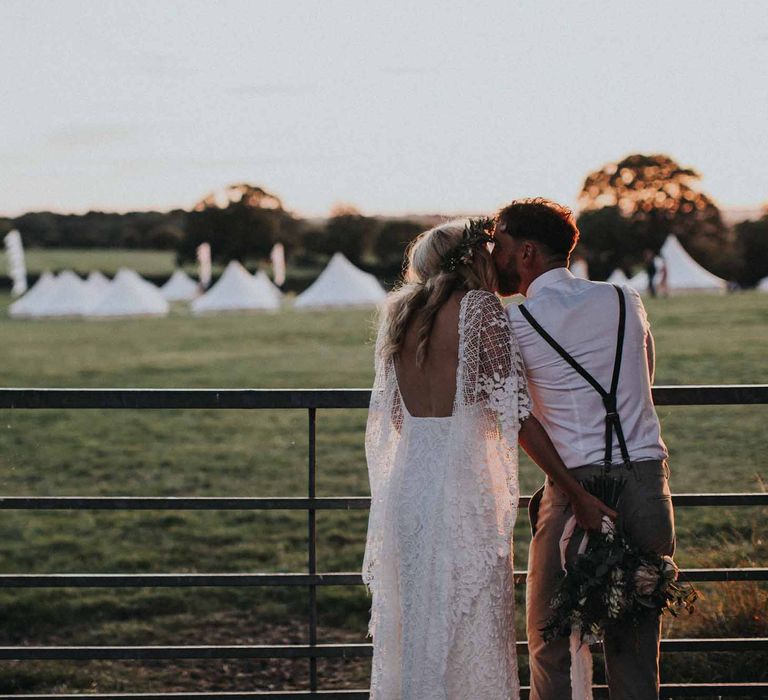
(631, 653)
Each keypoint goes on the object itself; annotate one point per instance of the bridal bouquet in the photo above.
(613, 580)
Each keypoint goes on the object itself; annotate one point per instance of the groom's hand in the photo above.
(589, 511)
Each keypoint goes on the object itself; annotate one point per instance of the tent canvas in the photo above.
(341, 284)
(144, 283)
(684, 274)
(639, 282)
(34, 299)
(69, 296)
(130, 295)
(180, 287)
(618, 277)
(236, 290)
(762, 285)
(268, 286)
(97, 283)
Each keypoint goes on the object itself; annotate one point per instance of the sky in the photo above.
(394, 107)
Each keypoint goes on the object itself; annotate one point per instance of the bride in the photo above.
(449, 404)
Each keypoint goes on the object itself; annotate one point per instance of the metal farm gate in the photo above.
(311, 401)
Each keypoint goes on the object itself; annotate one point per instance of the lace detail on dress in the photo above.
(500, 370)
(444, 493)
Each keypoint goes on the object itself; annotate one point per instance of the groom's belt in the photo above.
(631, 465)
(644, 460)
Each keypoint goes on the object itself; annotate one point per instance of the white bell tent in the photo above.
(341, 284)
(180, 287)
(639, 282)
(762, 285)
(29, 304)
(684, 274)
(130, 295)
(618, 277)
(268, 286)
(236, 290)
(97, 283)
(69, 296)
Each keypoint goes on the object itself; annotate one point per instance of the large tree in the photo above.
(96, 229)
(607, 241)
(752, 245)
(393, 240)
(241, 222)
(659, 197)
(347, 231)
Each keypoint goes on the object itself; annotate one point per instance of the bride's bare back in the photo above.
(428, 391)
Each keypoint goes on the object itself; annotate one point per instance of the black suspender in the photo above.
(612, 421)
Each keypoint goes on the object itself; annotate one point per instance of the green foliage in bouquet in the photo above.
(614, 581)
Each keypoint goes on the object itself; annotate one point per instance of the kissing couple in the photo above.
(460, 381)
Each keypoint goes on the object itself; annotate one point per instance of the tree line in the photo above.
(626, 208)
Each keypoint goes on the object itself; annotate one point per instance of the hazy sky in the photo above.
(392, 106)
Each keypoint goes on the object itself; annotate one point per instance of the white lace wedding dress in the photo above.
(438, 558)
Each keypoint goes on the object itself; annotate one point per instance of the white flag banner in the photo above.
(204, 261)
(278, 263)
(17, 270)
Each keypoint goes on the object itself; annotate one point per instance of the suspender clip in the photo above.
(610, 403)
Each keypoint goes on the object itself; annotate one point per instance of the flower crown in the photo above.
(476, 233)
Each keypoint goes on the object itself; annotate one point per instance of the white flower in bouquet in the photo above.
(608, 528)
(646, 579)
(669, 569)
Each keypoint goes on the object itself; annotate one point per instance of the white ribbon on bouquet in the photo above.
(581, 656)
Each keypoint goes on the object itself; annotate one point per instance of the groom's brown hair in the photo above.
(541, 220)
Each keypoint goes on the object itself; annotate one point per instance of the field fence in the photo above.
(312, 400)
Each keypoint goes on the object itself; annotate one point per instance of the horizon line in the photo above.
(755, 206)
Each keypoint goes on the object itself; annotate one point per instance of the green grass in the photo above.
(718, 340)
(83, 260)
(150, 263)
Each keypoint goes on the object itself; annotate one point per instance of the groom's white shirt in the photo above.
(583, 317)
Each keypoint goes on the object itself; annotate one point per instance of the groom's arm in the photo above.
(650, 351)
(587, 509)
(636, 304)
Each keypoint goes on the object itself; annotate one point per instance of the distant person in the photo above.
(649, 259)
(662, 276)
(570, 331)
(656, 270)
(448, 406)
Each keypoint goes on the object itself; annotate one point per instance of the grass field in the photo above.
(145, 262)
(700, 339)
(155, 264)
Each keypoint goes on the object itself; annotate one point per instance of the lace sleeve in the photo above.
(384, 378)
(524, 405)
(382, 436)
(500, 375)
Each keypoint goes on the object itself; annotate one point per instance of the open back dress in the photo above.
(438, 558)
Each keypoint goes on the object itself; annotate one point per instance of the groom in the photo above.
(595, 403)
